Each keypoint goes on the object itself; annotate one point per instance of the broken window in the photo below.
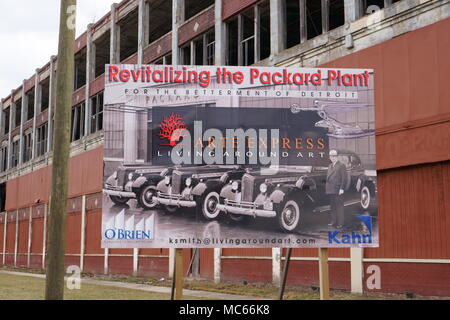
(15, 154)
(129, 35)
(97, 112)
(80, 69)
(313, 18)
(160, 19)
(336, 14)
(249, 35)
(30, 106)
(27, 147)
(77, 130)
(45, 94)
(3, 159)
(202, 49)
(102, 53)
(193, 7)
(41, 139)
(292, 23)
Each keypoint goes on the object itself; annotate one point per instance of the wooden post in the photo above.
(44, 236)
(323, 274)
(54, 288)
(83, 231)
(178, 274)
(4, 237)
(285, 272)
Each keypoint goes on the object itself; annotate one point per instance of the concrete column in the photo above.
(105, 261)
(24, 108)
(357, 269)
(30, 236)
(220, 35)
(16, 239)
(143, 29)
(277, 26)
(257, 22)
(114, 53)
(2, 125)
(276, 266)
(351, 10)
(325, 6)
(83, 231)
(90, 74)
(37, 110)
(177, 19)
(303, 22)
(5, 225)
(52, 102)
(217, 264)
(135, 261)
(11, 114)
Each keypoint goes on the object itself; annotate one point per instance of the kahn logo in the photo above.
(171, 128)
(353, 237)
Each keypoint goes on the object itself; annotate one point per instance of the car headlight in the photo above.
(167, 180)
(263, 188)
(130, 176)
(235, 185)
(188, 182)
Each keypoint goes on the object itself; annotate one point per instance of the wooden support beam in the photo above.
(323, 274)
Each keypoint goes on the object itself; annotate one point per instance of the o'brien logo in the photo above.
(353, 237)
(171, 129)
(123, 234)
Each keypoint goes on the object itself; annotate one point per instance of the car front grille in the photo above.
(176, 183)
(248, 184)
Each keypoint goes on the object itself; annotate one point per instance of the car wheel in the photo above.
(289, 217)
(368, 199)
(146, 197)
(118, 200)
(209, 206)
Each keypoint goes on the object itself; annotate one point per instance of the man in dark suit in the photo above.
(335, 188)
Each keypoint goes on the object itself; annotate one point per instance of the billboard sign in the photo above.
(203, 156)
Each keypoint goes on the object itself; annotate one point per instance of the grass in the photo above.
(14, 287)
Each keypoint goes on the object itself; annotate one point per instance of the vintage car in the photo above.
(293, 191)
(196, 186)
(133, 182)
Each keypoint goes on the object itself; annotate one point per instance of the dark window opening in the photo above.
(45, 94)
(159, 61)
(15, 154)
(41, 139)
(232, 34)
(30, 106)
(80, 70)
(292, 22)
(337, 14)
(3, 159)
(186, 54)
(77, 128)
(204, 49)
(102, 53)
(2, 197)
(129, 35)
(17, 114)
(248, 37)
(97, 113)
(27, 147)
(198, 52)
(193, 7)
(314, 18)
(168, 59)
(160, 17)
(264, 33)
(6, 120)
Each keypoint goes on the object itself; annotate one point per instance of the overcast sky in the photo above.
(29, 35)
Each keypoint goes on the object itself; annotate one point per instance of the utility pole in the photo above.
(54, 289)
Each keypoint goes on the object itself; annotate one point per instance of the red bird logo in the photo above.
(167, 128)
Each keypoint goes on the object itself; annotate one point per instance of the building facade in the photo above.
(404, 39)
